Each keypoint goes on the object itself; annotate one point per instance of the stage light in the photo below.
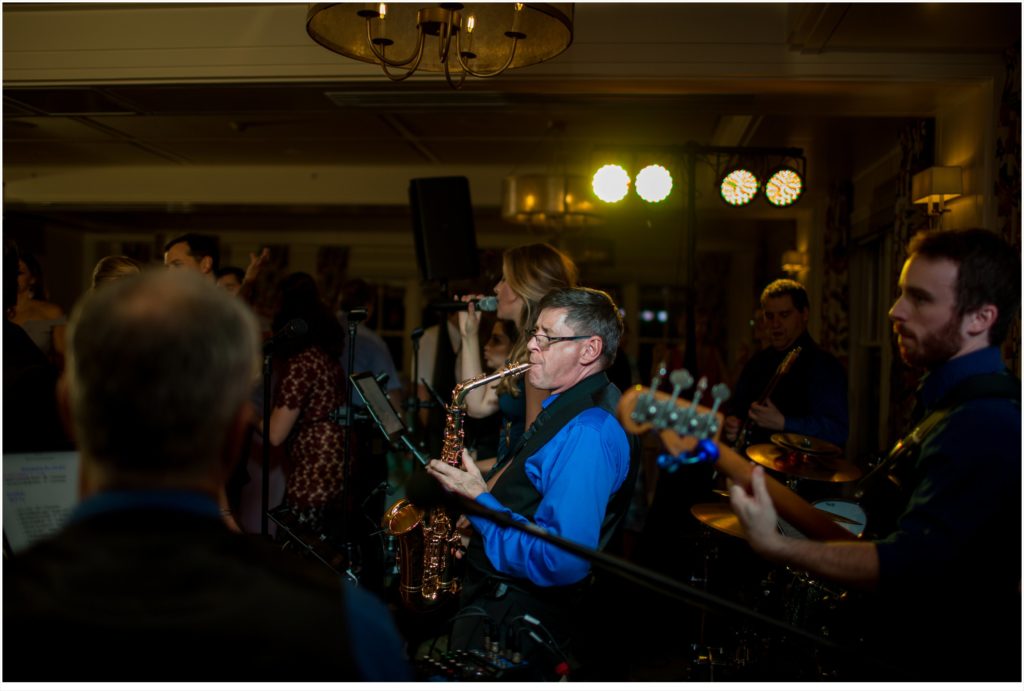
(654, 183)
(784, 187)
(739, 187)
(611, 183)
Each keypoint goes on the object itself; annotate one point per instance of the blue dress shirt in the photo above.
(576, 473)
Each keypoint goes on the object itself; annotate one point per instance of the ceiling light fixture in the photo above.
(555, 199)
(480, 39)
(549, 201)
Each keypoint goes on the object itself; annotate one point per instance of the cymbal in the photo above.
(719, 516)
(805, 444)
(823, 468)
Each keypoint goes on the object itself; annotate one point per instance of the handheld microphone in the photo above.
(484, 304)
(293, 329)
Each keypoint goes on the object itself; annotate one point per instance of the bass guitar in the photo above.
(689, 432)
(743, 438)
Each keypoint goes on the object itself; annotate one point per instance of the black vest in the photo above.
(514, 489)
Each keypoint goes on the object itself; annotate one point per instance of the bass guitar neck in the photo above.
(681, 425)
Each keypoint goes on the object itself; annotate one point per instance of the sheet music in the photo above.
(40, 491)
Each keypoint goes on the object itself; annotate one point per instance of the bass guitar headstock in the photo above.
(687, 429)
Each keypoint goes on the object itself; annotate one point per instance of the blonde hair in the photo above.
(113, 268)
(531, 272)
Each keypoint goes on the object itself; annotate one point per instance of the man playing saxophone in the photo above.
(569, 474)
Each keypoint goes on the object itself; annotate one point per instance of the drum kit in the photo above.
(804, 464)
(817, 471)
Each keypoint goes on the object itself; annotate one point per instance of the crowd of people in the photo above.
(155, 381)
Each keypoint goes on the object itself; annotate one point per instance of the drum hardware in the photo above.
(719, 516)
(846, 514)
(805, 444)
(802, 464)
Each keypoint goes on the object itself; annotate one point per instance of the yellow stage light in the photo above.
(654, 183)
(611, 183)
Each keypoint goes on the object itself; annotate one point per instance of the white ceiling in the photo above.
(185, 88)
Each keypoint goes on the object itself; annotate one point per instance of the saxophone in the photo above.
(426, 538)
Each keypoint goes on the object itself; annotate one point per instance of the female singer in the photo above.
(529, 273)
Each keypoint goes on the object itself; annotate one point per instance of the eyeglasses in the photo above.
(544, 342)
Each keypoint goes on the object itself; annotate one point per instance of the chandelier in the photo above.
(481, 39)
(548, 201)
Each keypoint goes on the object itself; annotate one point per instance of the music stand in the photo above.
(384, 414)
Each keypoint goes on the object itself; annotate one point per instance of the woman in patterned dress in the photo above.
(311, 385)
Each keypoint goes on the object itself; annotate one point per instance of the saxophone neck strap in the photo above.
(586, 394)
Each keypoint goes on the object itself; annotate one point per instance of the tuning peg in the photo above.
(720, 393)
(681, 379)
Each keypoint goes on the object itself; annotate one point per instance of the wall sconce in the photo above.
(934, 187)
(794, 262)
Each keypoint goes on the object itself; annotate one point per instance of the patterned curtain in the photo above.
(1007, 185)
(835, 310)
(916, 143)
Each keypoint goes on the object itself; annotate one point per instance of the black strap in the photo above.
(997, 385)
(584, 395)
(1002, 385)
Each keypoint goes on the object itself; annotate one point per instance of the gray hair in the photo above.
(589, 311)
(158, 365)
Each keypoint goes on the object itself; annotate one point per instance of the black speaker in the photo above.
(442, 224)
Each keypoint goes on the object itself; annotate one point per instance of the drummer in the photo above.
(809, 399)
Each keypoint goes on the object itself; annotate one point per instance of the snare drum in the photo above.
(845, 513)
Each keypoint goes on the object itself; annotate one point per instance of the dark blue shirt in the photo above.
(971, 465)
(949, 575)
(376, 647)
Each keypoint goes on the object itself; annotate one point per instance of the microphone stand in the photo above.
(353, 317)
(265, 465)
(651, 580)
(412, 404)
